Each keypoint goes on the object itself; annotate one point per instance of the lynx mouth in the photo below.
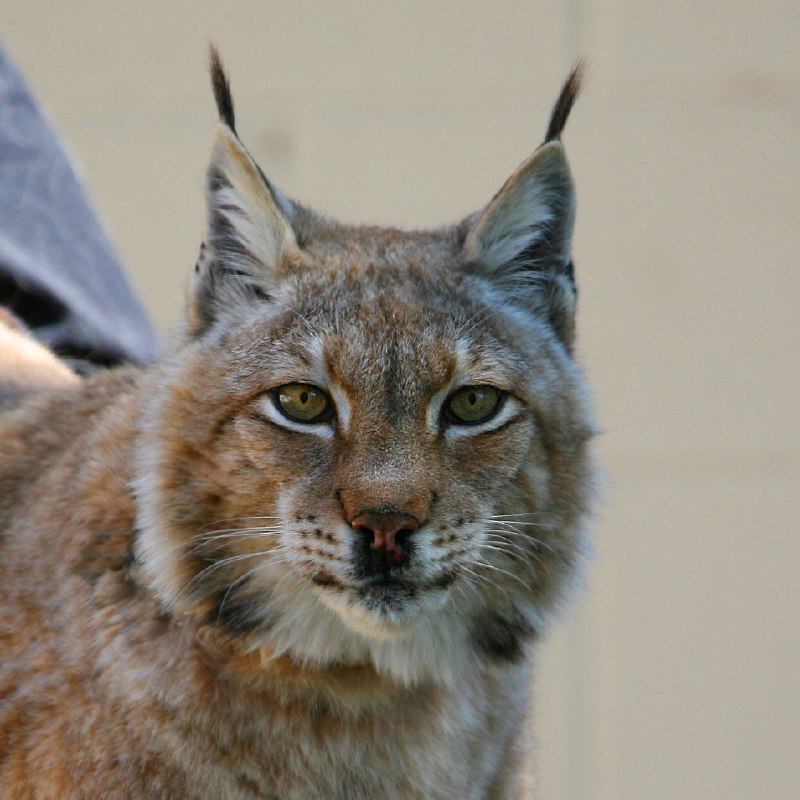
(385, 605)
(399, 586)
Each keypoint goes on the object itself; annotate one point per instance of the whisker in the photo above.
(477, 578)
(232, 533)
(511, 575)
(238, 530)
(236, 583)
(522, 535)
(212, 545)
(484, 578)
(513, 523)
(497, 538)
(518, 556)
(466, 581)
(526, 555)
(226, 562)
(235, 519)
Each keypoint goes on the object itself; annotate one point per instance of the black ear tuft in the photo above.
(569, 93)
(221, 87)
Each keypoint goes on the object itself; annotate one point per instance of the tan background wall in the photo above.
(678, 673)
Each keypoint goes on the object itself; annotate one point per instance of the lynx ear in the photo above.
(248, 222)
(522, 240)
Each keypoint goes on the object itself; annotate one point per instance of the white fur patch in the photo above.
(268, 409)
(433, 645)
(511, 408)
(160, 562)
(342, 404)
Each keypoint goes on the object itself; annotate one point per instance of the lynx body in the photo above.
(304, 555)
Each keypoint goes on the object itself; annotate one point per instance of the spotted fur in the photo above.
(188, 606)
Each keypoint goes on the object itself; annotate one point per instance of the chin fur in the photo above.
(429, 642)
(383, 616)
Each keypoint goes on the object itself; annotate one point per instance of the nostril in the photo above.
(402, 536)
(366, 532)
(388, 532)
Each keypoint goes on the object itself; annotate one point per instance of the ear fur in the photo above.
(248, 223)
(529, 221)
(522, 240)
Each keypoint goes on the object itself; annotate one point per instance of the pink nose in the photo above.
(387, 531)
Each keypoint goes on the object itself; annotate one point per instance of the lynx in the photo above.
(305, 555)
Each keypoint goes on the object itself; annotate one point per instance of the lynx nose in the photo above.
(386, 531)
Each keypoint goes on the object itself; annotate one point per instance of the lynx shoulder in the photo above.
(306, 554)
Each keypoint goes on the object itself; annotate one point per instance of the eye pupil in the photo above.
(473, 398)
(304, 397)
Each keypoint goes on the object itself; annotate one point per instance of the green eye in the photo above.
(473, 404)
(302, 402)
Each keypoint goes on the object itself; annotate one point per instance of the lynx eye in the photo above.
(302, 402)
(472, 405)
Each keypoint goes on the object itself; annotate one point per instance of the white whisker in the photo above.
(226, 562)
(523, 536)
(222, 539)
(265, 528)
(511, 575)
(479, 577)
(236, 519)
(496, 538)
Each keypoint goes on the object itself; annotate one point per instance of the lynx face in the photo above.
(419, 419)
(371, 445)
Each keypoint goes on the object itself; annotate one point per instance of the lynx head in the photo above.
(370, 446)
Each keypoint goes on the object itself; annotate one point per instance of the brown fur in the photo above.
(186, 610)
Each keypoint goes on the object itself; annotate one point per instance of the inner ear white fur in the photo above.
(535, 207)
(242, 207)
